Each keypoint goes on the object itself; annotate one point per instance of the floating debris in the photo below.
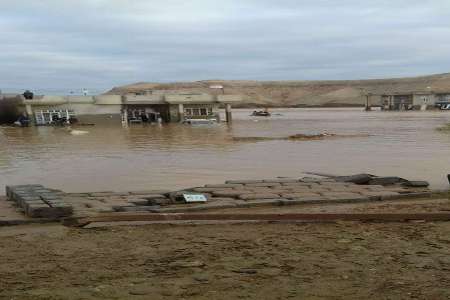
(77, 132)
(298, 137)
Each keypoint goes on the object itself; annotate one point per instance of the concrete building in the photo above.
(151, 107)
(419, 100)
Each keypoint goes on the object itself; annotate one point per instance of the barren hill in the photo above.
(300, 93)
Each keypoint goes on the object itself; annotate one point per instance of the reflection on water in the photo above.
(151, 157)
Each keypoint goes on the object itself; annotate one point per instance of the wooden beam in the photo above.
(289, 217)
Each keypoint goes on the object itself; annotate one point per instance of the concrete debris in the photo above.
(416, 183)
(37, 201)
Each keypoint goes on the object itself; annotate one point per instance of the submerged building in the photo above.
(419, 100)
(154, 107)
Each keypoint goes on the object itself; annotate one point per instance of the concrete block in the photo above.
(160, 201)
(139, 202)
(396, 189)
(260, 190)
(287, 187)
(416, 183)
(17, 195)
(298, 184)
(263, 184)
(259, 196)
(60, 211)
(41, 191)
(40, 210)
(231, 194)
(415, 195)
(150, 192)
(223, 199)
(242, 181)
(260, 202)
(316, 180)
(304, 200)
(333, 183)
(299, 195)
(380, 195)
(340, 195)
(21, 201)
(302, 190)
(210, 189)
(82, 195)
(35, 202)
(152, 196)
(57, 203)
(222, 186)
(118, 207)
(59, 208)
(338, 188)
(48, 196)
(27, 187)
(199, 207)
(8, 191)
(350, 199)
(376, 187)
(282, 180)
(53, 202)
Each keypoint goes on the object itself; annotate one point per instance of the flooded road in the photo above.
(172, 156)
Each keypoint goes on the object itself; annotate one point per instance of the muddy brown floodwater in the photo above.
(171, 156)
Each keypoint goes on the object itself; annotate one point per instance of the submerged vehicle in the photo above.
(200, 121)
(261, 113)
(23, 121)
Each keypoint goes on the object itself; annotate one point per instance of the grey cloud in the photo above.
(102, 43)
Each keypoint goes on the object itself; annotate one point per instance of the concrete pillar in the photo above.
(228, 115)
(67, 117)
(29, 112)
(181, 112)
(368, 102)
(125, 117)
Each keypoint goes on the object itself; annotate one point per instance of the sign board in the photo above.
(192, 198)
(216, 86)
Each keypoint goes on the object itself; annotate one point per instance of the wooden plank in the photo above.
(289, 217)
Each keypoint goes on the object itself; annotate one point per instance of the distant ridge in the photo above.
(291, 93)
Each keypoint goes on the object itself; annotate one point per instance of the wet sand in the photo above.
(251, 261)
(175, 156)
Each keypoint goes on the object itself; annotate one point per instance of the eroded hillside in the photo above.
(300, 93)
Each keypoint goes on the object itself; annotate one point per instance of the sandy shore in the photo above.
(344, 260)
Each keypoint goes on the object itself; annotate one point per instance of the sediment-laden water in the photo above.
(171, 156)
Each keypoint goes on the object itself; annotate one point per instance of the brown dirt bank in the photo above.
(300, 93)
(252, 261)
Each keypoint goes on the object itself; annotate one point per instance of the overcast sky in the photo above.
(105, 43)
